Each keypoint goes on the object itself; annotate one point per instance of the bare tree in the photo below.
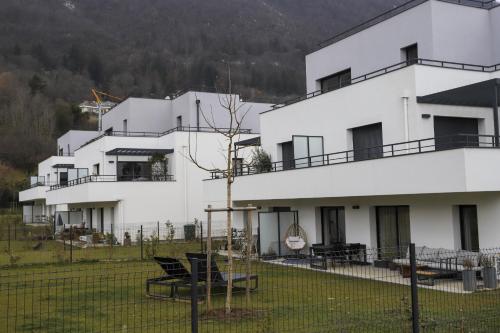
(234, 110)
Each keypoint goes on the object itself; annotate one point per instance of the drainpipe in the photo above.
(184, 166)
(198, 114)
(495, 113)
(406, 120)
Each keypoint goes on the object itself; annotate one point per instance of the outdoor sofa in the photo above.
(442, 259)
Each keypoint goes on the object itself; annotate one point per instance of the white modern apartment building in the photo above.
(396, 140)
(138, 170)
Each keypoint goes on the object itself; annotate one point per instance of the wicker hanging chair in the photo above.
(295, 237)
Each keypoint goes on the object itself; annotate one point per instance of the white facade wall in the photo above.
(333, 114)
(434, 218)
(495, 36)
(437, 27)
(73, 139)
(160, 115)
(142, 115)
(136, 203)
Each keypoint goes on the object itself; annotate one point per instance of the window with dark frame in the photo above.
(469, 234)
(393, 231)
(411, 54)
(336, 81)
(179, 121)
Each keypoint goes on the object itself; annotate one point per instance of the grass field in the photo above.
(104, 291)
(110, 297)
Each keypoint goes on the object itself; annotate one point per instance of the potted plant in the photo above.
(469, 275)
(127, 241)
(489, 272)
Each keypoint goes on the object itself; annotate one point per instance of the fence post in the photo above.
(142, 247)
(70, 244)
(414, 291)
(8, 232)
(201, 236)
(194, 295)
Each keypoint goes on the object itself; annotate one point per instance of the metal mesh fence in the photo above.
(341, 289)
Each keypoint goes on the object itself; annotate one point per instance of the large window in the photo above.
(336, 81)
(133, 171)
(393, 230)
(333, 225)
(367, 142)
(468, 228)
(455, 132)
(307, 150)
(302, 152)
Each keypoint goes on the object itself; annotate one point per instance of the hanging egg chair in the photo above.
(295, 238)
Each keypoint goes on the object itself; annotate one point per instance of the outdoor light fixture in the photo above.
(426, 116)
(355, 207)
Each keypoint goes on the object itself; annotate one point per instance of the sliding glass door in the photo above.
(468, 228)
(333, 222)
(393, 230)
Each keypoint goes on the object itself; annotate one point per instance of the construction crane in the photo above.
(97, 95)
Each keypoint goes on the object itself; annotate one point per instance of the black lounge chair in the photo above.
(218, 278)
(176, 275)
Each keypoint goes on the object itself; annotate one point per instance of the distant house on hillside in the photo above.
(92, 107)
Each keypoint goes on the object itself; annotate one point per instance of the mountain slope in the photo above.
(53, 51)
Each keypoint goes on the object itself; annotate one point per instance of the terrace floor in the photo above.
(370, 272)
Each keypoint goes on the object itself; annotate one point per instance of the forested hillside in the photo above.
(52, 52)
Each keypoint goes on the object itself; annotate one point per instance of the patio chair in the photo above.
(175, 275)
(218, 278)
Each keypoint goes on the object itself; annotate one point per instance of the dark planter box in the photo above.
(469, 280)
(490, 277)
(381, 263)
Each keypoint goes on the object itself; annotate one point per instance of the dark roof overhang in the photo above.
(63, 166)
(248, 142)
(138, 152)
(480, 94)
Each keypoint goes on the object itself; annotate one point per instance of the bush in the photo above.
(261, 161)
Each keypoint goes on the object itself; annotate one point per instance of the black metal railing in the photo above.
(337, 291)
(393, 68)
(160, 134)
(377, 152)
(398, 10)
(113, 178)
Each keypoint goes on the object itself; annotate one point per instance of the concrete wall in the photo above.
(73, 139)
(333, 114)
(142, 115)
(437, 27)
(160, 115)
(210, 104)
(495, 35)
(137, 203)
(434, 219)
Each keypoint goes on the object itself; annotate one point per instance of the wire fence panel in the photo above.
(336, 288)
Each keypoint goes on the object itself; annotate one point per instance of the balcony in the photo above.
(113, 178)
(110, 188)
(391, 69)
(462, 163)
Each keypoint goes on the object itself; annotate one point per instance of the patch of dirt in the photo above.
(238, 313)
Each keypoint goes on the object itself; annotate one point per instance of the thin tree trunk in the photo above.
(209, 259)
(229, 294)
(249, 253)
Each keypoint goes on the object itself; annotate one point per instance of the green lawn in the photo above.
(56, 252)
(109, 297)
